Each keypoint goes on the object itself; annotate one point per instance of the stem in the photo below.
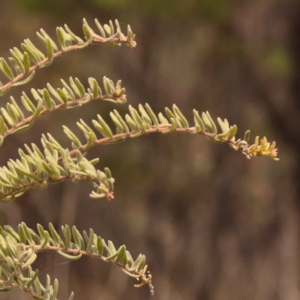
(96, 40)
(59, 106)
(159, 128)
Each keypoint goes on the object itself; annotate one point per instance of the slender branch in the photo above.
(160, 128)
(27, 186)
(141, 275)
(145, 279)
(163, 127)
(96, 40)
(7, 283)
(29, 119)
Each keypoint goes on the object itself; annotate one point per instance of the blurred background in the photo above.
(213, 225)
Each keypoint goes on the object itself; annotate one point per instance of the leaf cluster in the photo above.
(24, 62)
(70, 96)
(19, 249)
(35, 169)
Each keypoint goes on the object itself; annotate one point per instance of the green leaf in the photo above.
(27, 63)
(55, 289)
(78, 238)
(172, 128)
(121, 120)
(31, 53)
(54, 93)
(7, 117)
(137, 119)
(47, 99)
(29, 106)
(30, 261)
(55, 235)
(105, 127)
(50, 49)
(99, 245)
(3, 127)
(137, 262)
(74, 87)
(117, 122)
(67, 234)
(152, 115)
(72, 136)
(69, 90)
(90, 241)
(213, 125)
(18, 56)
(26, 80)
(181, 117)
(80, 87)
(207, 123)
(62, 95)
(101, 29)
(60, 37)
(34, 277)
(70, 256)
(74, 37)
(108, 86)
(133, 126)
(6, 69)
(232, 133)
(247, 136)
(121, 253)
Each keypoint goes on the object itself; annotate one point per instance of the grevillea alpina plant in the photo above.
(52, 163)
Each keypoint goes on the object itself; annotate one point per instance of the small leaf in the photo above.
(101, 29)
(26, 62)
(99, 245)
(72, 136)
(6, 69)
(55, 235)
(69, 256)
(105, 127)
(3, 127)
(50, 50)
(55, 289)
(80, 87)
(232, 132)
(67, 233)
(181, 117)
(34, 277)
(60, 37)
(90, 241)
(107, 29)
(30, 261)
(247, 136)
(152, 115)
(47, 99)
(26, 80)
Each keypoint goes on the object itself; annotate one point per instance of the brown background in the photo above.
(213, 225)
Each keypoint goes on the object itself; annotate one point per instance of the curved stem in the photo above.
(160, 128)
(29, 119)
(96, 40)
